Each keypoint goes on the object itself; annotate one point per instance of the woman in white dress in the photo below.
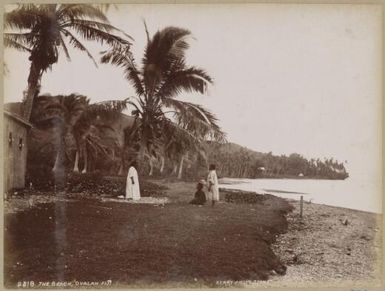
(212, 185)
(132, 184)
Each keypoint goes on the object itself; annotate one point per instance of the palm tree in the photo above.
(41, 30)
(79, 124)
(162, 76)
(91, 126)
(62, 111)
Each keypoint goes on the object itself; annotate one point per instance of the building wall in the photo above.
(15, 153)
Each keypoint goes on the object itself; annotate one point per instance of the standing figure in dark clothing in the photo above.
(200, 196)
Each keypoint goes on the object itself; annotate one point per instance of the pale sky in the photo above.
(288, 78)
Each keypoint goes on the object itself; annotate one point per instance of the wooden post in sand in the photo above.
(301, 206)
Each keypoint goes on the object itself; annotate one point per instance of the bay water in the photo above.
(365, 195)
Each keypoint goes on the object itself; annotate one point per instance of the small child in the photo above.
(200, 196)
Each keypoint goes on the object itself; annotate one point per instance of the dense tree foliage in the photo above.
(235, 161)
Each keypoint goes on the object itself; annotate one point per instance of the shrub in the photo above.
(242, 196)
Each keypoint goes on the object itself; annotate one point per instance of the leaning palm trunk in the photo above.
(161, 165)
(76, 164)
(181, 167)
(57, 163)
(85, 157)
(151, 167)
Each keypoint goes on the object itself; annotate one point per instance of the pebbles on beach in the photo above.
(329, 245)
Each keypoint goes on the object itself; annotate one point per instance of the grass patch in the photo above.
(137, 244)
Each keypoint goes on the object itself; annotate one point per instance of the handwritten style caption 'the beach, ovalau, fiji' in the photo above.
(61, 284)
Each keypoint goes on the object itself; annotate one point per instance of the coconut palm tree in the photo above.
(63, 112)
(91, 126)
(163, 75)
(79, 124)
(43, 30)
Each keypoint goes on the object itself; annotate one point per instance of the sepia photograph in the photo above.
(206, 145)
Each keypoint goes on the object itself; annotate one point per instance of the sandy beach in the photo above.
(328, 246)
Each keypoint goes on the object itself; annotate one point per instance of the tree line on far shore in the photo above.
(239, 162)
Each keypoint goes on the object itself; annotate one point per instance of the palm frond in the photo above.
(95, 24)
(77, 44)
(189, 80)
(23, 17)
(9, 42)
(113, 105)
(146, 30)
(76, 11)
(95, 34)
(24, 39)
(166, 47)
(65, 49)
(179, 141)
(195, 118)
(94, 146)
(106, 110)
(138, 109)
(66, 108)
(122, 57)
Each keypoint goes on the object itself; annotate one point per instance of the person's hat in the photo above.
(203, 182)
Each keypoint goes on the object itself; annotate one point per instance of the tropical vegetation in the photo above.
(165, 125)
(240, 162)
(46, 30)
(169, 137)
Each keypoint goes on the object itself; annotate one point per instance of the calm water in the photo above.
(355, 194)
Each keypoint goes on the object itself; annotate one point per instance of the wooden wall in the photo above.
(15, 153)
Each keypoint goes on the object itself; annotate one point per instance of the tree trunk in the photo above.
(60, 151)
(180, 168)
(76, 164)
(161, 165)
(141, 154)
(85, 157)
(58, 168)
(34, 78)
(120, 169)
(174, 170)
(56, 165)
(151, 166)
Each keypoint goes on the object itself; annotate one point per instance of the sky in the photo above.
(287, 78)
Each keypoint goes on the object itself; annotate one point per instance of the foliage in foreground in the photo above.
(92, 184)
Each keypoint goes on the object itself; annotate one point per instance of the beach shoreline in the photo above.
(331, 246)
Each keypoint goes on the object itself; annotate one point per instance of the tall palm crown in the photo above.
(163, 75)
(42, 30)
